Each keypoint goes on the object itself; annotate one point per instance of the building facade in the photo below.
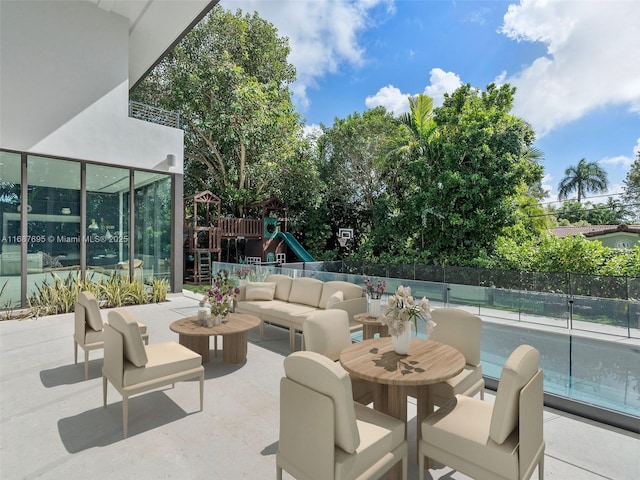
(84, 187)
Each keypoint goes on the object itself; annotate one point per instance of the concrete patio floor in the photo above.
(53, 425)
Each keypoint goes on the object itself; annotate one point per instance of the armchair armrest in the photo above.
(352, 307)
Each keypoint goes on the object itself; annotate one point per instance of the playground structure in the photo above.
(260, 237)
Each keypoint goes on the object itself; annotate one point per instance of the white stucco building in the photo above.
(83, 185)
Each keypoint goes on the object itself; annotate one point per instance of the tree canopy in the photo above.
(583, 178)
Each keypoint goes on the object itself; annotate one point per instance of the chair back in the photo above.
(124, 323)
(322, 375)
(460, 330)
(518, 370)
(89, 306)
(327, 333)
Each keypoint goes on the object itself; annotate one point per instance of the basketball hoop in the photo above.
(343, 241)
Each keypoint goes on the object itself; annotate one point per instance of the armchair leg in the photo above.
(86, 364)
(405, 466)
(420, 466)
(125, 415)
(75, 352)
(278, 472)
(104, 391)
(201, 391)
(541, 468)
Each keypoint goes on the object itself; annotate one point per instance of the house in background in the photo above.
(614, 236)
(83, 185)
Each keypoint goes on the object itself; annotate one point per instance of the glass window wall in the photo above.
(153, 224)
(10, 264)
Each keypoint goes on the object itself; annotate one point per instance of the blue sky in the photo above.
(574, 63)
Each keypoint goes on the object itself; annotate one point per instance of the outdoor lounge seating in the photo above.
(288, 302)
(327, 332)
(324, 434)
(496, 441)
(133, 368)
(89, 326)
(461, 330)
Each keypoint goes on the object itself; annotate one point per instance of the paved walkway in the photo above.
(53, 426)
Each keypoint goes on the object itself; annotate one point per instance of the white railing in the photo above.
(151, 114)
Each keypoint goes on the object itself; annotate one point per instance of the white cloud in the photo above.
(391, 98)
(322, 34)
(397, 102)
(590, 61)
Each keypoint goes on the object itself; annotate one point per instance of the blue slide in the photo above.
(295, 247)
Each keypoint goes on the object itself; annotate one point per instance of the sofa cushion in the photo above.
(306, 291)
(260, 291)
(283, 285)
(92, 313)
(165, 359)
(134, 350)
(334, 299)
(349, 291)
(287, 312)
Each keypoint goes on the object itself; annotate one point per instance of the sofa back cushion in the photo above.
(91, 311)
(260, 290)
(283, 286)
(349, 291)
(133, 347)
(306, 291)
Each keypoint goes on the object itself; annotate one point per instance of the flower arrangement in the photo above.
(401, 308)
(376, 290)
(242, 272)
(221, 295)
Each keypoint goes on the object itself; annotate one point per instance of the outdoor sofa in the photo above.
(289, 302)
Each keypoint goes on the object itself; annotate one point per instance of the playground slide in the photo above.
(295, 247)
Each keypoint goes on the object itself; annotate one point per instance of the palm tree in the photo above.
(584, 177)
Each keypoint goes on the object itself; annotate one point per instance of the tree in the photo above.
(465, 196)
(583, 178)
(229, 79)
(631, 195)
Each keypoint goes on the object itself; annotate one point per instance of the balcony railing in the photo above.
(151, 114)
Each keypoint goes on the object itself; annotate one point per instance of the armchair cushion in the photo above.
(92, 311)
(321, 374)
(164, 359)
(462, 425)
(260, 291)
(519, 368)
(134, 350)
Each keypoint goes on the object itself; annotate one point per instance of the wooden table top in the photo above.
(427, 362)
(367, 318)
(238, 322)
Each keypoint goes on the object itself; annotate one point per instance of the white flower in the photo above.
(401, 308)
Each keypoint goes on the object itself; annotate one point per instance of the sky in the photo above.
(575, 65)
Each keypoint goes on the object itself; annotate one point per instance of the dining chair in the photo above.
(324, 434)
(327, 332)
(499, 441)
(89, 326)
(134, 368)
(460, 330)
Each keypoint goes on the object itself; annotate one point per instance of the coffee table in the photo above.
(195, 336)
(371, 325)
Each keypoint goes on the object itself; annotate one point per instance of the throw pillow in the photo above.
(337, 297)
(260, 290)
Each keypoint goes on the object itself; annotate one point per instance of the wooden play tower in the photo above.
(205, 229)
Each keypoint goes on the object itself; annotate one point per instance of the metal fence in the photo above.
(151, 114)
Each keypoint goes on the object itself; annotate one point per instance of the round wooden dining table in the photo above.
(393, 375)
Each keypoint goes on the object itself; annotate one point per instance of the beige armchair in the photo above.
(133, 368)
(496, 441)
(327, 332)
(462, 331)
(89, 327)
(324, 434)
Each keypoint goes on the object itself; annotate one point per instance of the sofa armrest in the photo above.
(242, 295)
(352, 307)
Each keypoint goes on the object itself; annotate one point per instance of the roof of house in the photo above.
(594, 230)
